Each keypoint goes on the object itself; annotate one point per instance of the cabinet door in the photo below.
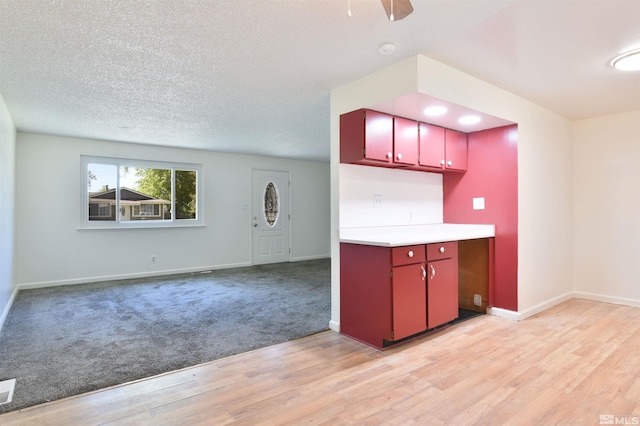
(378, 140)
(431, 146)
(405, 141)
(366, 137)
(442, 292)
(455, 150)
(409, 300)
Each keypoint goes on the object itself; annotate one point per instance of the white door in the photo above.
(270, 218)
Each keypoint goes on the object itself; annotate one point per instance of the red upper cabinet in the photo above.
(405, 141)
(377, 139)
(366, 137)
(455, 150)
(431, 146)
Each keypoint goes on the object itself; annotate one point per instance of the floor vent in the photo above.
(6, 391)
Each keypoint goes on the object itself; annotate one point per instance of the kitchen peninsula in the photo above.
(400, 281)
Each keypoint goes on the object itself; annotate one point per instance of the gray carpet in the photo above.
(63, 341)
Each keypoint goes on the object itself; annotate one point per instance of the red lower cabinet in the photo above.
(442, 292)
(409, 301)
(442, 283)
(388, 294)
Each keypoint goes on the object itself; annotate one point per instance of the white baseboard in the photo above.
(334, 325)
(544, 306)
(303, 258)
(521, 315)
(607, 299)
(5, 312)
(503, 313)
(87, 280)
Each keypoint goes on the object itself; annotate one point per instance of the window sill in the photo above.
(120, 226)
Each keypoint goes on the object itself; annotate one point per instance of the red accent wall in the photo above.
(492, 173)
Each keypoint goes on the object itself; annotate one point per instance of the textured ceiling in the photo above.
(252, 76)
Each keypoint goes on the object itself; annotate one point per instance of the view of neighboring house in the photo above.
(134, 205)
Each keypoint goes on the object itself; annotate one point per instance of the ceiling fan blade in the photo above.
(401, 8)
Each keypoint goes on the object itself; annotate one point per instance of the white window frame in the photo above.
(85, 223)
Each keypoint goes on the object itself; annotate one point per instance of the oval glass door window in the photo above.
(271, 204)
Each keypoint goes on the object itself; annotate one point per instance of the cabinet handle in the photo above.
(424, 273)
(410, 254)
(399, 156)
(449, 163)
(442, 162)
(389, 155)
(441, 249)
(433, 271)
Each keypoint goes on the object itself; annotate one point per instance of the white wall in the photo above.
(7, 212)
(408, 198)
(52, 251)
(606, 188)
(544, 170)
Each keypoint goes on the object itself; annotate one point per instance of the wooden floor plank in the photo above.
(567, 365)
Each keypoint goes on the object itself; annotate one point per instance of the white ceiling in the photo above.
(253, 76)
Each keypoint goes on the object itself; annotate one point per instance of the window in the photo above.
(104, 209)
(120, 193)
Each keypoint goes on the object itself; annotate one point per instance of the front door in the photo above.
(270, 216)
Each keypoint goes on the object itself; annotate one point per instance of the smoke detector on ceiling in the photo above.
(386, 49)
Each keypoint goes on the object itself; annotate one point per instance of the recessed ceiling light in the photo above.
(628, 61)
(386, 49)
(435, 111)
(469, 119)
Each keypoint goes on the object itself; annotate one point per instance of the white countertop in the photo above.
(394, 236)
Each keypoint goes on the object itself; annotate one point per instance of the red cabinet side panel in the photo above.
(365, 293)
(352, 136)
(492, 173)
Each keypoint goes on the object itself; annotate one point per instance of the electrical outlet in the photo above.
(377, 201)
(154, 259)
(477, 300)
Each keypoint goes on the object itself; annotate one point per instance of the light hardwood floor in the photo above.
(568, 365)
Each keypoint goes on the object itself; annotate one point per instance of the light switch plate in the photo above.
(478, 203)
